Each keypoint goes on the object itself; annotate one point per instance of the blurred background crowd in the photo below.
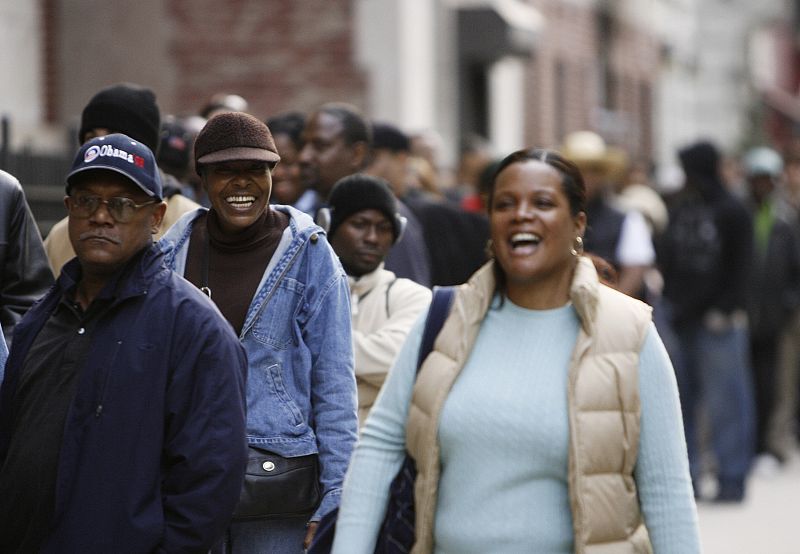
(682, 114)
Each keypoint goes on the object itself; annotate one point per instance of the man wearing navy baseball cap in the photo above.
(122, 420)
(130, 109)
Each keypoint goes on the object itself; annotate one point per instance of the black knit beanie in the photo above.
(124, 108)
(358, 192)
(234, 136)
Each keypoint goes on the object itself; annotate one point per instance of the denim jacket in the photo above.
(301, 390)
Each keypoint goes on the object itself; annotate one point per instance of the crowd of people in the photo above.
(227, 338)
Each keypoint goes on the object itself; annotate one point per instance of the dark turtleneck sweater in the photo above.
(236, 262)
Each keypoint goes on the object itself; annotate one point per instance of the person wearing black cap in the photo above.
(363, 223)
(277, 281)
(132, 110)
(124, 105)
(122, 424)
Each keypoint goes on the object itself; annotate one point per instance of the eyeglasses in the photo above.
(121, 209)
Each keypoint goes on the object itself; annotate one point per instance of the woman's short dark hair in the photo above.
(571, 179)
(571, 183)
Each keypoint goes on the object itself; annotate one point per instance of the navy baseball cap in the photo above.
(122, 154)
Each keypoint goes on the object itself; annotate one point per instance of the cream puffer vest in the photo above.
(603, 410)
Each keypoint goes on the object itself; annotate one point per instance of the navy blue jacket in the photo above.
(154, 449)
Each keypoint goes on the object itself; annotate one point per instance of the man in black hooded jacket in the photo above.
(705, 256)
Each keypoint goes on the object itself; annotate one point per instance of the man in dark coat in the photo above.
(455, 238)
(336, 143)
(129, 109)
(705, 256)
(122, 419)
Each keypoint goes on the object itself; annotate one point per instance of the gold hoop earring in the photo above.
(489, 250)
(577, 248)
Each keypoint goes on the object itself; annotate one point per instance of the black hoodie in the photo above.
(706, 251)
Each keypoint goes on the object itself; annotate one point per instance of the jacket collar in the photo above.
(359, 286)
(133, 279)
(583, 294)
(362, 286)
(174, 241)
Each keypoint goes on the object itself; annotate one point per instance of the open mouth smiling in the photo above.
(521, 242)
(241, 202)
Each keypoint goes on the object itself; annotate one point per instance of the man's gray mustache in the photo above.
(98, 235)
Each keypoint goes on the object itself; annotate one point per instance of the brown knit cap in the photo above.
(234, 136)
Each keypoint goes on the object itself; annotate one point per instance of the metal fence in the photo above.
(36, 169)
(42, 178)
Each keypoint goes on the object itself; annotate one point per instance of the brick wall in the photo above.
(290, 54)
(560, 100)
(563, 77)
(636, 59)
(49, 46)
(279, 55)
(100, 43)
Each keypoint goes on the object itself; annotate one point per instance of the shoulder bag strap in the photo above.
(438, 312)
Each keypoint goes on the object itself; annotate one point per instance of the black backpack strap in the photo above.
(323, 539)
(438, 312)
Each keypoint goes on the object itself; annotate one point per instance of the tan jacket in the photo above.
(603, 410)
(383, 310)
(59, 248)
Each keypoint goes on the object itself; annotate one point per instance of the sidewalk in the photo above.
(766, 522)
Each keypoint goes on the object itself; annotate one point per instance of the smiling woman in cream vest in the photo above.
(546, 418)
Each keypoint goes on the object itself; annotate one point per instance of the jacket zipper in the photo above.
(99, 409)
(582, 346)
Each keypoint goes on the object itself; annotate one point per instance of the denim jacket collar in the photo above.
(301, 228)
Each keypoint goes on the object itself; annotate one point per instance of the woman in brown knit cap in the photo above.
(277, 281)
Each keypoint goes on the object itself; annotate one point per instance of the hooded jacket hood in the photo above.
(700, 162)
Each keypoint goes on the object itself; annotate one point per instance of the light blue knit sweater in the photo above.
(504, 440)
